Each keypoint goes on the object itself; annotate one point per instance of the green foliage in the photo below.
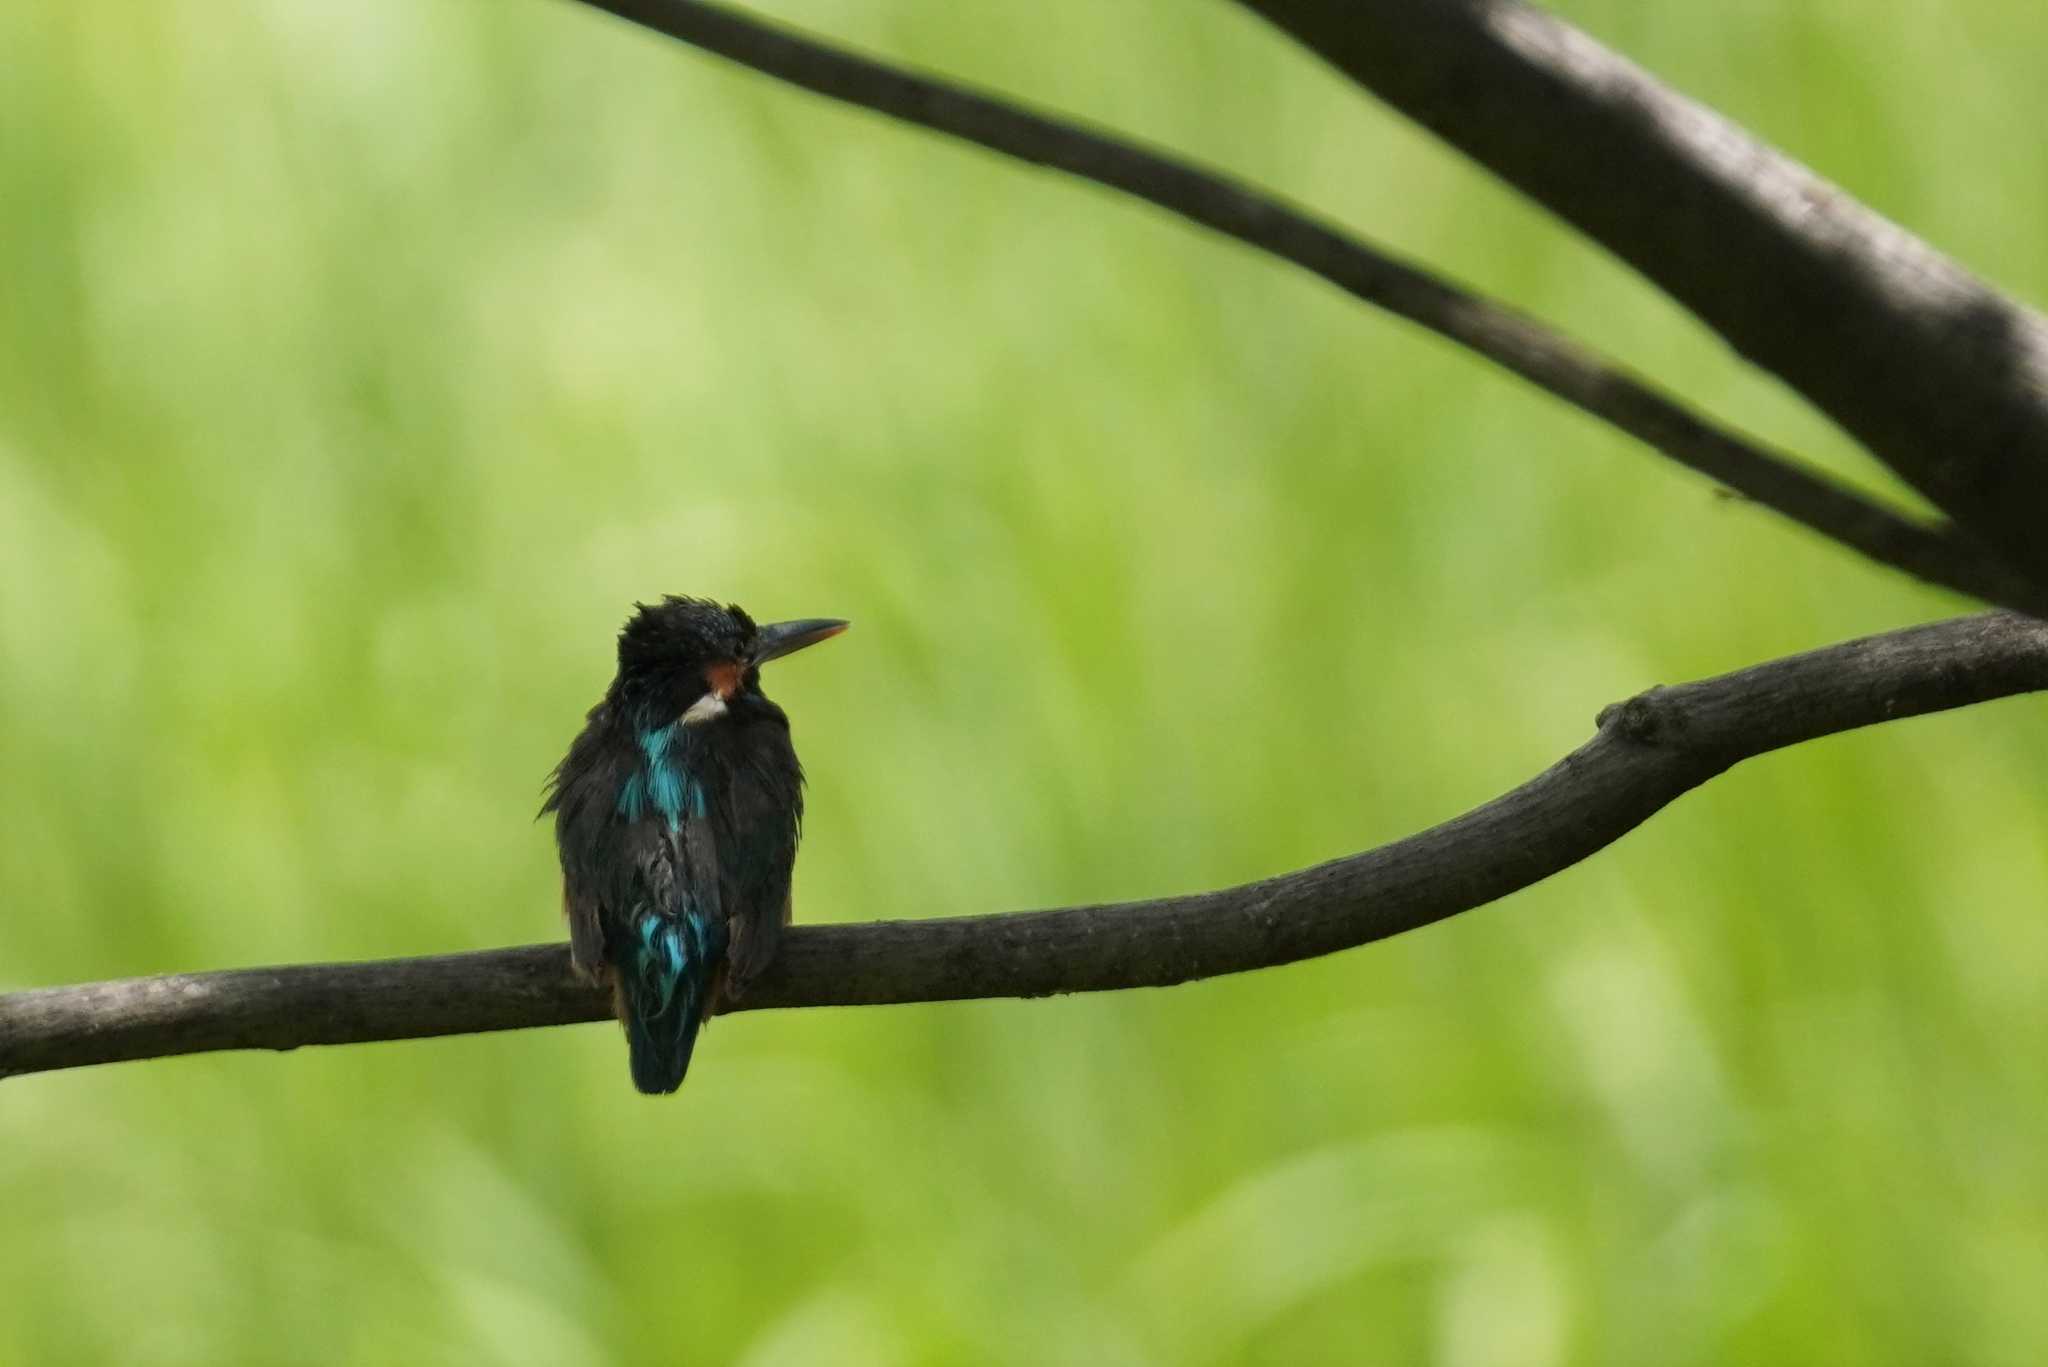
(359, 364)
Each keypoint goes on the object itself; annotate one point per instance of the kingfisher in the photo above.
(677, 812)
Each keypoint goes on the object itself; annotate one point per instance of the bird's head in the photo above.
(691, 660)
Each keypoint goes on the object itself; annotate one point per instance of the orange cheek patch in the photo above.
(723, 678)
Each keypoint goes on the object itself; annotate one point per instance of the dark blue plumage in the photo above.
(677, 812)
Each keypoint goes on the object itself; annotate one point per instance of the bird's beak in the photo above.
(778, 639)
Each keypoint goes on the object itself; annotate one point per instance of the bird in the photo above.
(677, 813)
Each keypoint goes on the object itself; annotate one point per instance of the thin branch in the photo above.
(1511, 340)
(1939, 375)
(1647, 752)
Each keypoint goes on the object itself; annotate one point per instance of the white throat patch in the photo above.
(710, 707)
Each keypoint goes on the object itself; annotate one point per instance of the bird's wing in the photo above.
(770, 823)
(754, 940)
(753, 945)
(757, 926)
(580, 795)
(586, 930)
(697, 848)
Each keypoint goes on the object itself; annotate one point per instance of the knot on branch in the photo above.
(1647, 718)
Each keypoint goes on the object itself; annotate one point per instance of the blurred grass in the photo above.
(359, 365)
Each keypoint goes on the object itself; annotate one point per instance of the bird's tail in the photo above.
(665, 977)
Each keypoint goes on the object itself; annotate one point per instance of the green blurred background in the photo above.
(359, 364)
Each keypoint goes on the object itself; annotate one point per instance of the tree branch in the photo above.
(1648, 751)
(1517, 343)
(1940, 376)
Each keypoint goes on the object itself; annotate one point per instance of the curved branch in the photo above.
(1647, 752)
(1939, 375)
(1509, 339)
